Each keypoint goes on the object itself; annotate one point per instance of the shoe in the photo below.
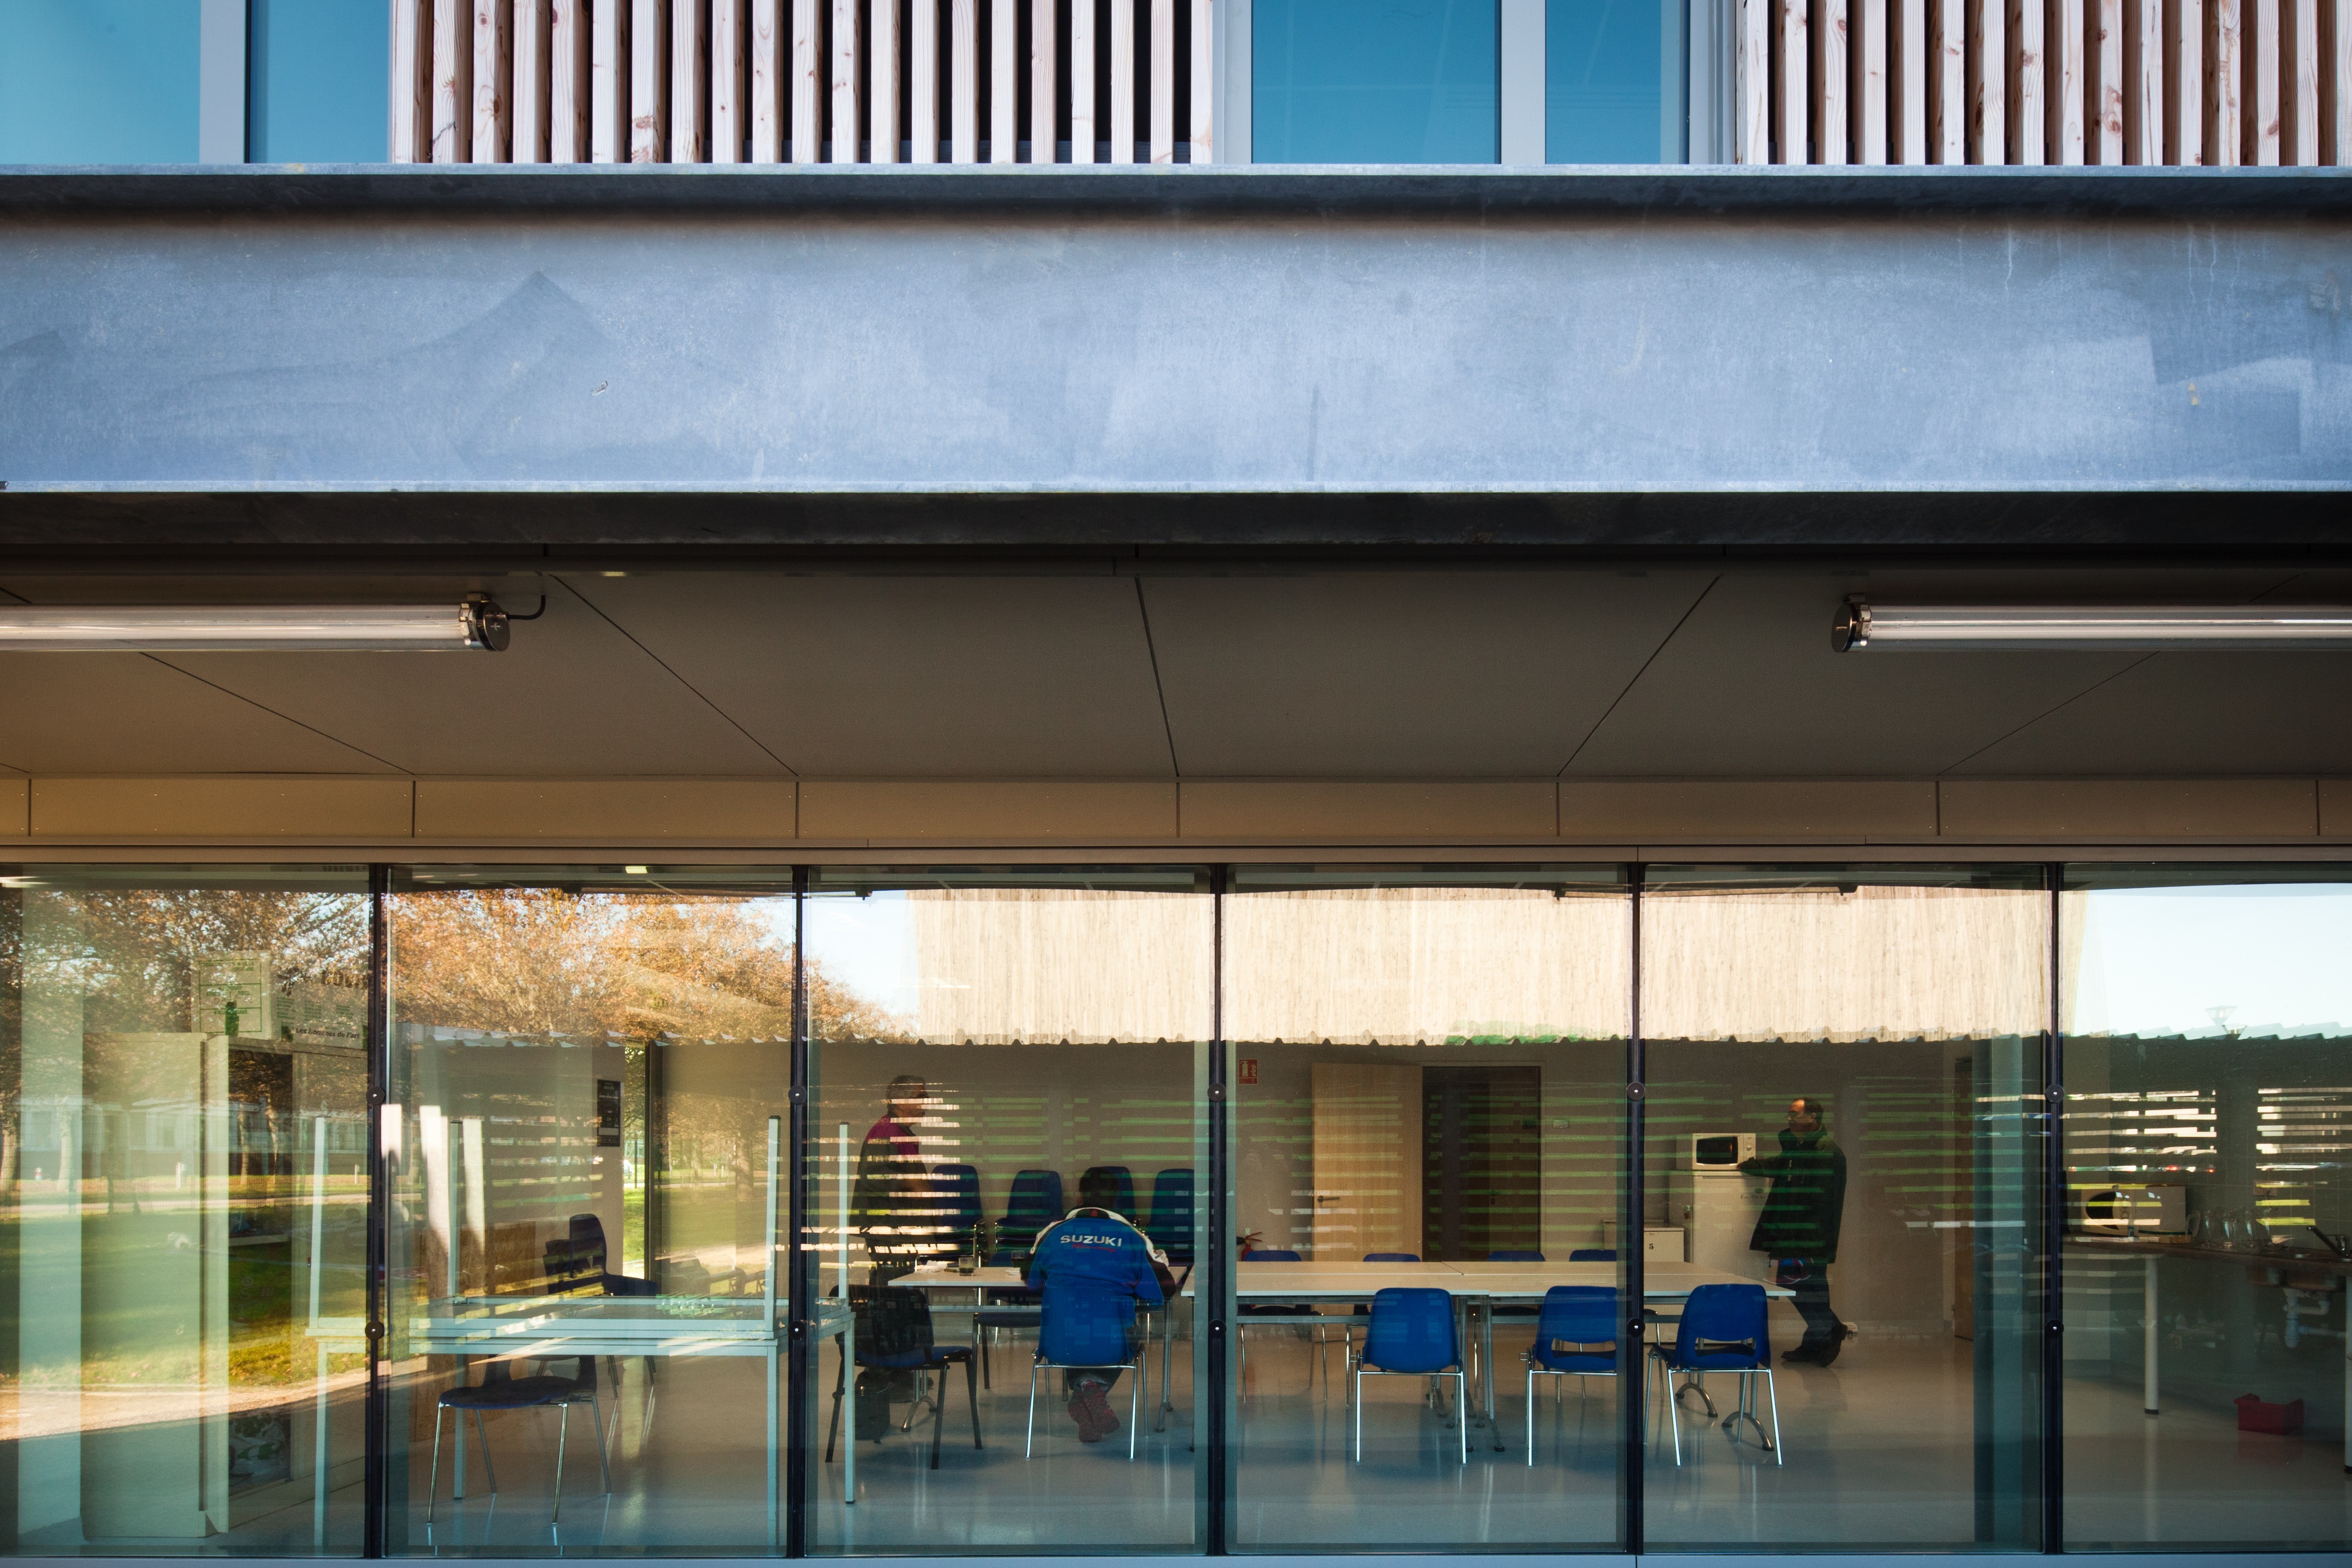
(1087, 1431)
(1838, 1336)
(1093, 1399)
(1803, 1356)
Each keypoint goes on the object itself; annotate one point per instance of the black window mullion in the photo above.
(801, 1303)
(1632, 1239)
(2053, 1223)
(1210, 1297)
(375, 1488)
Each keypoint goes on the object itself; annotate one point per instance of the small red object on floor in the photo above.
(2256, 1415)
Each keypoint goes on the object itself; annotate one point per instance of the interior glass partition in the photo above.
(182, 1210)
(2207, 1120)
(1004, 1185)
(591, 1077)
(1845, 1139)
(1428, 1098)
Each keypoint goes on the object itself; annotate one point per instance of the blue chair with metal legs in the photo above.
(1593, 1255)
(1724, 1329)
(1516, 1255)
(1412, 1336)
(1088, 1331)
(1576, 1336)
(500, 1389)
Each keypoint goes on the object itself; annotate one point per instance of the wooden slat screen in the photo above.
(810, 81)
(2220, 82)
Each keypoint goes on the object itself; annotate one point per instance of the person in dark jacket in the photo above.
(1798, 1228)
(892, 1204)
(1093, 1266)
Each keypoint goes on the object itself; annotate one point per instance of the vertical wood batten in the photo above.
(964, 82)
(2336, 111)
(1988, 89)
(2111, 83)
(533, 55)
(2262, 98)
(1948, 98)
(923, 82)
(2299, 80)
(1867, 51)
(730, 109)
(1003, 80)
(808, 82)
(2224, 85)
(1753, 83)
(689, 81)
(1831, 112)
(768, 93)
(1796, 91)
(1044, 80)
(844, 54)
(648, 81)
(2144, 78)
(2029, 84)
(1163, 81)
(2066, 83)
(570, 85)
(493, 73)
(882, 88)
(1084, 64)
(412, 82)
(2184, 81)
(1122, 82)
(1914, 48)
(1202, 135)
(453, 82)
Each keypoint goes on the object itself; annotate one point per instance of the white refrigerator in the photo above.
(1718, 1210)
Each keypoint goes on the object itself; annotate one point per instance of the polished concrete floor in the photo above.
(1878, 1452)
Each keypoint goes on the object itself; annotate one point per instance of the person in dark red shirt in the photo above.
(892, 1201)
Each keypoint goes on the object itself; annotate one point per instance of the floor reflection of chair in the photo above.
(500, 1389)
(1724, 1328)
(1412, 1333)
(893, 1331)
(1078, 1331)
(1576, 1336)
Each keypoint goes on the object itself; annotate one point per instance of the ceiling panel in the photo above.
(2194, 714)
(1421, 675)
(906, 676)
(126, 713)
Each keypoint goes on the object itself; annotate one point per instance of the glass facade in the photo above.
(317, 76)
(98, 81)
(1614, 81)
(1400, 81)
(1171, 1209)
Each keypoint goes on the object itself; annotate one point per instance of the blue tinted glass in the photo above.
(98, 82)
(1604, 80)
(319, 73)
(1374, 81)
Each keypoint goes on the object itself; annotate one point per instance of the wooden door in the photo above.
(1368, 1138)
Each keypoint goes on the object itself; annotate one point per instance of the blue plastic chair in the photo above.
(1391, 1257)
(1593, 1255)
(892, 1328)
(1122, 1179)
(1412, 1336)
(1576, 1336)
(1170, 1224)
(1035, 1203)
(1724, 1329)
(958, 1192)
(1088, 1330)
(1516, 1255)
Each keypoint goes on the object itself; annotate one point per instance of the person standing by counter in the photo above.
(1798, 1229)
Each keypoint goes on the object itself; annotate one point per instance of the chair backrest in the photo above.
(1392, 1258)
(1272, 1255)
(1035, 1203)
(1593, 1255)
(891, 1322)
(1085, 1324)
(1516, 1255)
(1170, 1224)
(579, 1254)
(1724, 1329)
(959, 1198)
(1577, 1315)
(1121, 1182)
(1412, 1331)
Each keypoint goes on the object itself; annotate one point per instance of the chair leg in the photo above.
(939, 1417)
(833, 1427)
(972, 1399)
(563, 1420)
(488, 1470)
(1770, 1393)
(1674, 1416)
(432, 1475)
(1134, 1404)
(604, 1466)
(1030, 1442)
(1531, 1416)
(984, 1336)
(1462, 1409)
(1356, 1400)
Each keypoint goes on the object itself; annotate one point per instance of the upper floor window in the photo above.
(316, 82)
(1375, 81)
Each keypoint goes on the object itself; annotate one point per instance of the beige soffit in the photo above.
(16, 807)
(2336, 808)
(654, 811)
(256, 807)
(1866, 812)
(931, 812)
(1244, 811)
(2130, 809)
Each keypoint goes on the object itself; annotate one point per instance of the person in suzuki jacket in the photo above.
(1094, 1267)
(1798, 1228)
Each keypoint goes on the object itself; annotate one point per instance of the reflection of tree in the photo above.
(542, 961)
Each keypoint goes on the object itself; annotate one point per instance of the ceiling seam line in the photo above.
(698, 695)
(1628, 688)
(1151, 651)
(2053, 708)
(252, 702)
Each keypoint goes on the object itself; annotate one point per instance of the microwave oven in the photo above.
(1720, 1151)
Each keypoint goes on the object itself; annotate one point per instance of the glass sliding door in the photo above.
(2208, 1124)
(1005, 1179)
(182, 1210)
(1843, 1193)
(1428, 1110)
(590, 1079)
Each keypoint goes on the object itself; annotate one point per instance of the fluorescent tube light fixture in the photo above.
(475, 624)
(1932, 627)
